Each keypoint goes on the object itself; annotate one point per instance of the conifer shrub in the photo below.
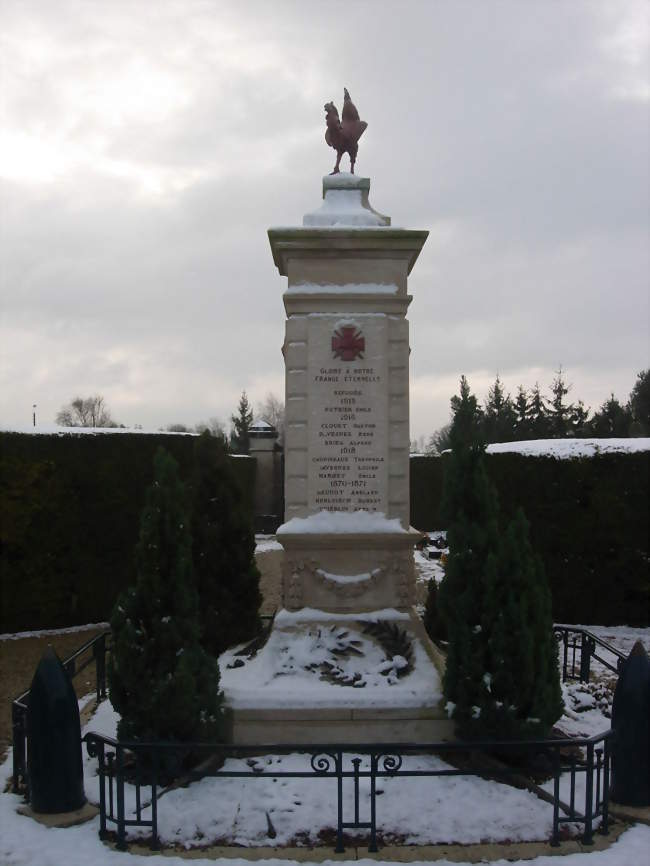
(519, 693)
(223, 550)
(434, 622)
(501, 678)
(163, 684)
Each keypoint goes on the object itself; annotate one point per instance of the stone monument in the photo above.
(348, 659)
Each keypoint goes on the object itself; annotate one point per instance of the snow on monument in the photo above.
(348, 658)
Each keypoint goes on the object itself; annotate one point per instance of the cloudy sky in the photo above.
(146, 147)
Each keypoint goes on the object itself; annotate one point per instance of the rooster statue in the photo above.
(343, 135)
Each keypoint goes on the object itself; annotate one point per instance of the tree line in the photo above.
(92, 411)
(533, 415)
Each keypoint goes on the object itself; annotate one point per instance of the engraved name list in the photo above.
(347, 442)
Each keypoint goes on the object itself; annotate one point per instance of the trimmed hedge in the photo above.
(426, 474)
(69, 517)
(588, 520)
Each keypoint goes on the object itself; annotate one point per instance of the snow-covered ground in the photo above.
(234, 811)
(427, 568)
(413, 811)
(23, 842)
(243, 811)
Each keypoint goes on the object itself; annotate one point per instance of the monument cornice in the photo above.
(296, 303)
(303, 243)
(349, 540)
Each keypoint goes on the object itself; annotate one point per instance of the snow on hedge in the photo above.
(57, 430)
(563, 449)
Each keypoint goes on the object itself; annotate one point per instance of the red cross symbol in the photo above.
(347, 343)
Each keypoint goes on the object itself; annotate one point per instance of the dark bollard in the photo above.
(54, 766)
(631, 728)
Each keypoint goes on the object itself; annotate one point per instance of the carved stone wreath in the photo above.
(351, 589)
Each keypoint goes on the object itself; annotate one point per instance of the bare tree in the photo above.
(213, 426)
(272, 411)
(85, 412)
(440, 440)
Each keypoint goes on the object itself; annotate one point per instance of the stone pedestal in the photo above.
(346, 354)
(348, 546)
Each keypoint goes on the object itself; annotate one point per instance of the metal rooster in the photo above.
(343, 135)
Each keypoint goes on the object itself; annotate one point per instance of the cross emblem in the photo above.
(347, 343)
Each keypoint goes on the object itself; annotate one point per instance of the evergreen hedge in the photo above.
(588, 522)
(69, 517)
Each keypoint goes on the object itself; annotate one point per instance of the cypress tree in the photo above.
(434, 622)
(162, 682)
(501, 678)
(470, 509)
(639, 404)
(223, 550)
(499, 417)
(538, 420)
(473, 537)
(241, 422)
(520, 694)
(522, 414)
(559, 412)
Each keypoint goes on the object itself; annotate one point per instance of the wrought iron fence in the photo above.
(579, 647)
(142, 766)
(92, 652)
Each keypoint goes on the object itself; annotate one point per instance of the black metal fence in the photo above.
(142, 765)
(92, 652)
(579, 646)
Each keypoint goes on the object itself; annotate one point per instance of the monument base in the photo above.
(372, 677)
(348, 571)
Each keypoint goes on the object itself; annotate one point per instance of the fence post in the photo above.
(155, 842)
(604, 826)
(630, 726)
(339, 789)
(588, 835)
(586, 648)
(119, 779)
(555, 837)
(55, 765)
(101, 760)
(372, 848)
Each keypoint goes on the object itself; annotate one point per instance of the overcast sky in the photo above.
(146, 147)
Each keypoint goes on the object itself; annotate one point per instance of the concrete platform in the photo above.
(282, 695)
(341, 725)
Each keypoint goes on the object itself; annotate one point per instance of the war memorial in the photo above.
(348, 658)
